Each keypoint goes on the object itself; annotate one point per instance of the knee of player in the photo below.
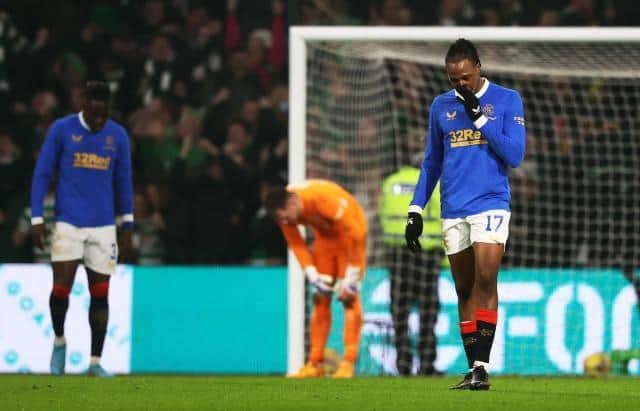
(99, 290)
(321, 301)
(60, 291)
(463, 292)
(487, 282)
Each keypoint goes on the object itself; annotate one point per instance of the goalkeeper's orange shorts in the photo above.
(330, 258)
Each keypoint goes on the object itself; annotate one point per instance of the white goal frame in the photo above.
(299, 35)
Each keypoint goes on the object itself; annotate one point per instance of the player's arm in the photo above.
(321, 282)
(297, 244)
(429, 175)
(507, 142)
(124, 194)
(431, 165)
(46, 165)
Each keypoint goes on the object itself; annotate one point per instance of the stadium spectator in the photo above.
(389, 13)
(14, 170)
(21, 235)
(339, 252)
(147, 241)
(160, 73)
(17, 49)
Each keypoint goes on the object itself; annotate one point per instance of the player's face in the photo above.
(96, 113)
(464, 73)
(290, 212)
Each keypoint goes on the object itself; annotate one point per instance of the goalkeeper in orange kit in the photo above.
(339, 252)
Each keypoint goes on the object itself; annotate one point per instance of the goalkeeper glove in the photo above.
(470, 102)
(350, 284)
(412, 232)
(322, 283)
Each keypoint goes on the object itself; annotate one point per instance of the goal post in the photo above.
(551, 62)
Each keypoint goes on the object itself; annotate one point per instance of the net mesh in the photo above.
(575, 198)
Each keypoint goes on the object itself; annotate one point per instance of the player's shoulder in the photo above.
(66, 121)
(62, 125)
(503, 91)
(444, 100)
(116, 128)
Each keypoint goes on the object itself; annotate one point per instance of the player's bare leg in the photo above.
(64, 273)
(98, 319)
(485, 296)
(463, 271)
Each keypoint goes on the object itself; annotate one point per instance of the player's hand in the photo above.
(470, 102)
(412, 232)
(125, 245)
(38, 233)
(350, 285)
(322, 283)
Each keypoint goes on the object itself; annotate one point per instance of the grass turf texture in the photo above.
(156, 393)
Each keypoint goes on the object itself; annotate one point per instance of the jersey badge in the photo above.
(109, 143)
(487, 110)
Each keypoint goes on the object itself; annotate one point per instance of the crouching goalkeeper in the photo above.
(338, 253)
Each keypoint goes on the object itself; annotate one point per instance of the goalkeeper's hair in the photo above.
(276, 199)
(98, 91)
(460, 50)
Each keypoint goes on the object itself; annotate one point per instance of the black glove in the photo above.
(412, 232)
(470, 102)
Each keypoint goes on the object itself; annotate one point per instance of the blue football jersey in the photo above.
(471, 159)
(94, 182)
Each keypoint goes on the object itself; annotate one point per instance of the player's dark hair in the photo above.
(276, 199)
(460, 50)
(97, 90)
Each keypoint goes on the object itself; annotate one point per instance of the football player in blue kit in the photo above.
(89, 155)
(476, 132)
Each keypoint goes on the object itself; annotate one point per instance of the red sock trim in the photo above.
(467, 327)
(488, 316)
(100, 289)
(60, 291)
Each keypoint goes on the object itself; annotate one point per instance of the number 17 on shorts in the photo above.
(490, 227)
(487, 227)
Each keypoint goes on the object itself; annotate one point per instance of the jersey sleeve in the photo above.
(431, 165)
(124, 183)
(510, 145)
(297, 244)
(46, 165)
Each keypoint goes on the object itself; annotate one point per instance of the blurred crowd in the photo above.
(469, 12)
(202, 89)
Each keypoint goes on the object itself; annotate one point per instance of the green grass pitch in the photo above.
(156, 393)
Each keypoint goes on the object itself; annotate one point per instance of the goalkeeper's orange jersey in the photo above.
(336, 218)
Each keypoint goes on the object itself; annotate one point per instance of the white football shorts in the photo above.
(95, 246)
(487, 227)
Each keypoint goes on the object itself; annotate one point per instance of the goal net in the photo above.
(568, 285)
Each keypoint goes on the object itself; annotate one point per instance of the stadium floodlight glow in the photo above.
(353, 118)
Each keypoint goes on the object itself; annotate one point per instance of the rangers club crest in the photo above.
(109, 143)
(487, 110)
